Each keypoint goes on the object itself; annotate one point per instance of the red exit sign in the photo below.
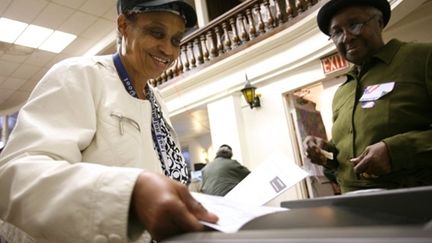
(333, 63)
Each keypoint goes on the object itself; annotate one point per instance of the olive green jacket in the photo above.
(402, 118)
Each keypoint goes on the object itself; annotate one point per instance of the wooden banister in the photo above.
(248, 23)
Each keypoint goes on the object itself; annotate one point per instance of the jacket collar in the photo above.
(385, 55)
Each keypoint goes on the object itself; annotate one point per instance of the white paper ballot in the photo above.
(327, 154)
(271, 178)
(232, 215)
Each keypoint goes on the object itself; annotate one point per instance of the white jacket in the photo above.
(68, 170)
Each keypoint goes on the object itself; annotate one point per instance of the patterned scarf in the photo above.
(170, 156)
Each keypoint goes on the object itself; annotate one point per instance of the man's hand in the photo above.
(374, 161)
(313, 146)
(165, 207)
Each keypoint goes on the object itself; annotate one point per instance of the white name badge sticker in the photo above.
(374, 92)
(367, 104)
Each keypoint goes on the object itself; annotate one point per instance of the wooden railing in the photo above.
(248, 23)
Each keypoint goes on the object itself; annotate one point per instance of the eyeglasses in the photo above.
(353, 28)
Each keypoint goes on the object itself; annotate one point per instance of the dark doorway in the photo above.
(217, 8)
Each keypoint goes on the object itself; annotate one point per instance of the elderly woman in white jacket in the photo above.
(85, 161)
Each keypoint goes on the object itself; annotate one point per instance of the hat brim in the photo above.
(187, 10)
(332, 7)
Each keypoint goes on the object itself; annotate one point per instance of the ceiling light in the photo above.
(57, 41)
(10, 29)
(33, 36)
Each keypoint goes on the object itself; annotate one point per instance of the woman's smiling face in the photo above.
(151, 42)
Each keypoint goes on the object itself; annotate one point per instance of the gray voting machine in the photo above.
(396, 216)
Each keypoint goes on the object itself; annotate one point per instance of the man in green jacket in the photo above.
(382, 113)
(223, 173)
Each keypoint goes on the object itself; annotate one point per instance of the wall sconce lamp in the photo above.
(249, 94)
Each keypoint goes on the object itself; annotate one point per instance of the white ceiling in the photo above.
(93, 21)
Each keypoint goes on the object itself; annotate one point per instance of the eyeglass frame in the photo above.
(354, 28)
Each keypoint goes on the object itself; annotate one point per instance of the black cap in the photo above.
(329, 9)
(177, 6)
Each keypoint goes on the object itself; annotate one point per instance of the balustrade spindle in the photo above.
(227, 40)
(164, 77)
(244, 37)
(185, 54)
(270, 21)
(157, 81)
(292, 10)
(198, 46)
(252, 29)
(235, 37)
(261, 26)
(302, 5)
(174, 70)
(204, 47)
(179, 66)
(278, 12)
(219, 44)
(281, 8)
(309, 4)
(170, 74)
(192, 56)
(210, 40)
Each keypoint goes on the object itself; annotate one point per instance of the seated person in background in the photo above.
(382, 114)
(223, 173)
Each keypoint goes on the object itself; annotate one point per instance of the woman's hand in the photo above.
(166, 208)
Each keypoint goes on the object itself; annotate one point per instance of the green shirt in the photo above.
(221, 175)
(402, 119)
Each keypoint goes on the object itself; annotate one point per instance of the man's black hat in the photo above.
(329, 9)
(180, 7)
